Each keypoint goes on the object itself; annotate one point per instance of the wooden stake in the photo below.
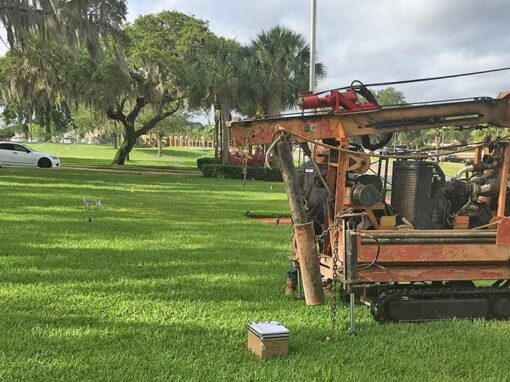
(304, 233)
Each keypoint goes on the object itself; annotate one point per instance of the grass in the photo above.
(450, 169)
(78, 155)
(102, 156)
(161, 284)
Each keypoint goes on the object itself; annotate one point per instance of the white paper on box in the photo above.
(268, 330)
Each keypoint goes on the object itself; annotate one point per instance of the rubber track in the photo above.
(380, 306)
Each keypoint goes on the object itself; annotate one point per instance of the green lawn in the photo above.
(161, 284)
(102, 156)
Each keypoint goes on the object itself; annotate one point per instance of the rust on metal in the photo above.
(410, 118)
(440, 273)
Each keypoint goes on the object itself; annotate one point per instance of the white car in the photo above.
(16, 154)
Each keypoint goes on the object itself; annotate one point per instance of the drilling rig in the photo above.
(398, 234)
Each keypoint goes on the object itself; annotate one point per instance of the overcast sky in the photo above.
(377, 40)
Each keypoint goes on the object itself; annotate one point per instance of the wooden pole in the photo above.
(304, 233)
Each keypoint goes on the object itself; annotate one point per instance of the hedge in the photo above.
(206, 160)
(229, 171)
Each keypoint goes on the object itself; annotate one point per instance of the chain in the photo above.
(341, 215)
(334, 301)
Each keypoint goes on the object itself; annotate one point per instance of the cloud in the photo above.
(378, 40)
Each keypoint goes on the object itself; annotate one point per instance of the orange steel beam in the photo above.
(407, 118)
(434, 253)
(424, 271)
(441, 273)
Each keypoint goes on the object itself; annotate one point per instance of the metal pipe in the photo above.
(351, 256)
(432, 234)
(464, 170)
(313, 40)
(438, 240)
(352, 326)
(386, 165)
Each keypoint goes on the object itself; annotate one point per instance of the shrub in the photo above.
(6, 133)
(230, 171)
(208, 170)
(272, 175)
(206, 160)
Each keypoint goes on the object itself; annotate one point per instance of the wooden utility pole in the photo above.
(304, 233)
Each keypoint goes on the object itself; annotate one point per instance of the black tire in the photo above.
(44, 163)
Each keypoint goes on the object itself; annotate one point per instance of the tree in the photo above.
(488, 131)
(68, 23)
(277, 69)
(6, 133)
(160, 49)
(86, 120)
(173, 125)
(392, 97)
(15, 119)
(145, 71)
(41, 33)
(215, 83)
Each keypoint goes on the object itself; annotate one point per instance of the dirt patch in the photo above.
(275, 221)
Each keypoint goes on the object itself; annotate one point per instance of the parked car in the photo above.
(67, 140)
(453, 158)
(35, 140)
(17, 154)
(18, 139)
(390, 151)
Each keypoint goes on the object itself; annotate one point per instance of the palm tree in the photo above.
(277, 70)
(215, 83)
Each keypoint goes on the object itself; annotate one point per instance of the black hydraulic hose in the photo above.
(414, 80)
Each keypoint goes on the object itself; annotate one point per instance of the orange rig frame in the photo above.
(403, 256)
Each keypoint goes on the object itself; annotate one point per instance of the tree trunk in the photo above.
(160, 144)
(128, 124)
(273, 109)
(225, 116)
(26, 131)
(125, 148)
(217, 121)
(47, 126)
(115, 142)
(274, 104)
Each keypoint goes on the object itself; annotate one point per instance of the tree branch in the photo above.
(115, 113)
(19, 8)
(139, 105)
(154, 121)
(122, 104)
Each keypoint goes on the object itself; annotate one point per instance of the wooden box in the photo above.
(268, 339)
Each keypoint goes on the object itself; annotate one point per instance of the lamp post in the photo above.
(313, 45)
